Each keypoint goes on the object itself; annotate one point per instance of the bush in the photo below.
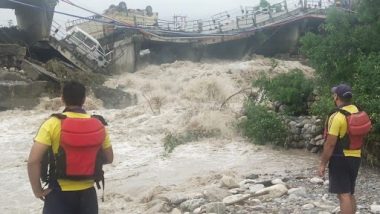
(292, 89)
(323, 105)
(263, 126)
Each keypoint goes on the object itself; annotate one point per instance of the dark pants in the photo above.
(71, 202)
(343, 172)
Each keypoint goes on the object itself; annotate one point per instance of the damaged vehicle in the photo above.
(88, 46)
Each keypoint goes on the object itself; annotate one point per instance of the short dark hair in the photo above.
(346, 100)
(73, 93)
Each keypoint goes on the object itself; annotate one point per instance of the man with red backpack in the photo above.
(345, 130)
(68, 153)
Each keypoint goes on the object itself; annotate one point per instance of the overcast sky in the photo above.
(166, 8)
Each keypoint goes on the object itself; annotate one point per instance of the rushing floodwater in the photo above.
(183, 96)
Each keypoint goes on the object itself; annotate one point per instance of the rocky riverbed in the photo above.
(221, 173)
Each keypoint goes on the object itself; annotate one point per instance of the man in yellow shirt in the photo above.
(75, 192)
(343, 163)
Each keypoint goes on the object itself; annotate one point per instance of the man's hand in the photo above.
(321, 170)
(42, 194)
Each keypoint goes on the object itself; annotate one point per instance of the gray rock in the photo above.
(214, 193)
(277, 181)
(320, 142)
(252, 176)
(114, 98)
(375, 208)
(176, 199)
(319, 137)
(234, 191)
(272, 192)
(315, 149)
(325, 205)
(228, 182)
(336, 210)
(216, 207)
(300, 191)
(308, 206)
(317, 180)
(256, 187)
(295, 130)
(192, 204)
(176, 211)
(199, 210)
(235, 198)
(158, 206)
(258, 208)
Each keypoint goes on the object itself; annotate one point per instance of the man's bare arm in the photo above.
(34, 169)
(328, 149)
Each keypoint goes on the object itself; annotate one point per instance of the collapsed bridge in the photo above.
(120, 34)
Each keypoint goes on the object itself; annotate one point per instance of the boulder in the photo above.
(214, 193)
(233, 199)
(176, 211)
(228, 182)
(317, 180)
(114, 98)
(300, 191)
(192, 204)
(272, 192)
(215, 207)
(375, 208)
(257, 187)
(308, 206)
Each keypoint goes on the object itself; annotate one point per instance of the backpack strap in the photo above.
(104, 122)
(59, 116)
(101, 118)
(345, 112)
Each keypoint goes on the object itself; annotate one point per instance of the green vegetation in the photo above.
(292, 89)
(263, 126)
(348, 50)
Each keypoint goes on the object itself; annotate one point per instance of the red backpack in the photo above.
(358, 126)
(80, 154)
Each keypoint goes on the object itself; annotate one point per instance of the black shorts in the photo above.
(71, 202)
(343, 172)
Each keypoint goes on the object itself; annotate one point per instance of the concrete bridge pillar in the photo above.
(36, 22)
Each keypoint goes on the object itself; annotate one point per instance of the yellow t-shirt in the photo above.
(338, 127)
(49, 134)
